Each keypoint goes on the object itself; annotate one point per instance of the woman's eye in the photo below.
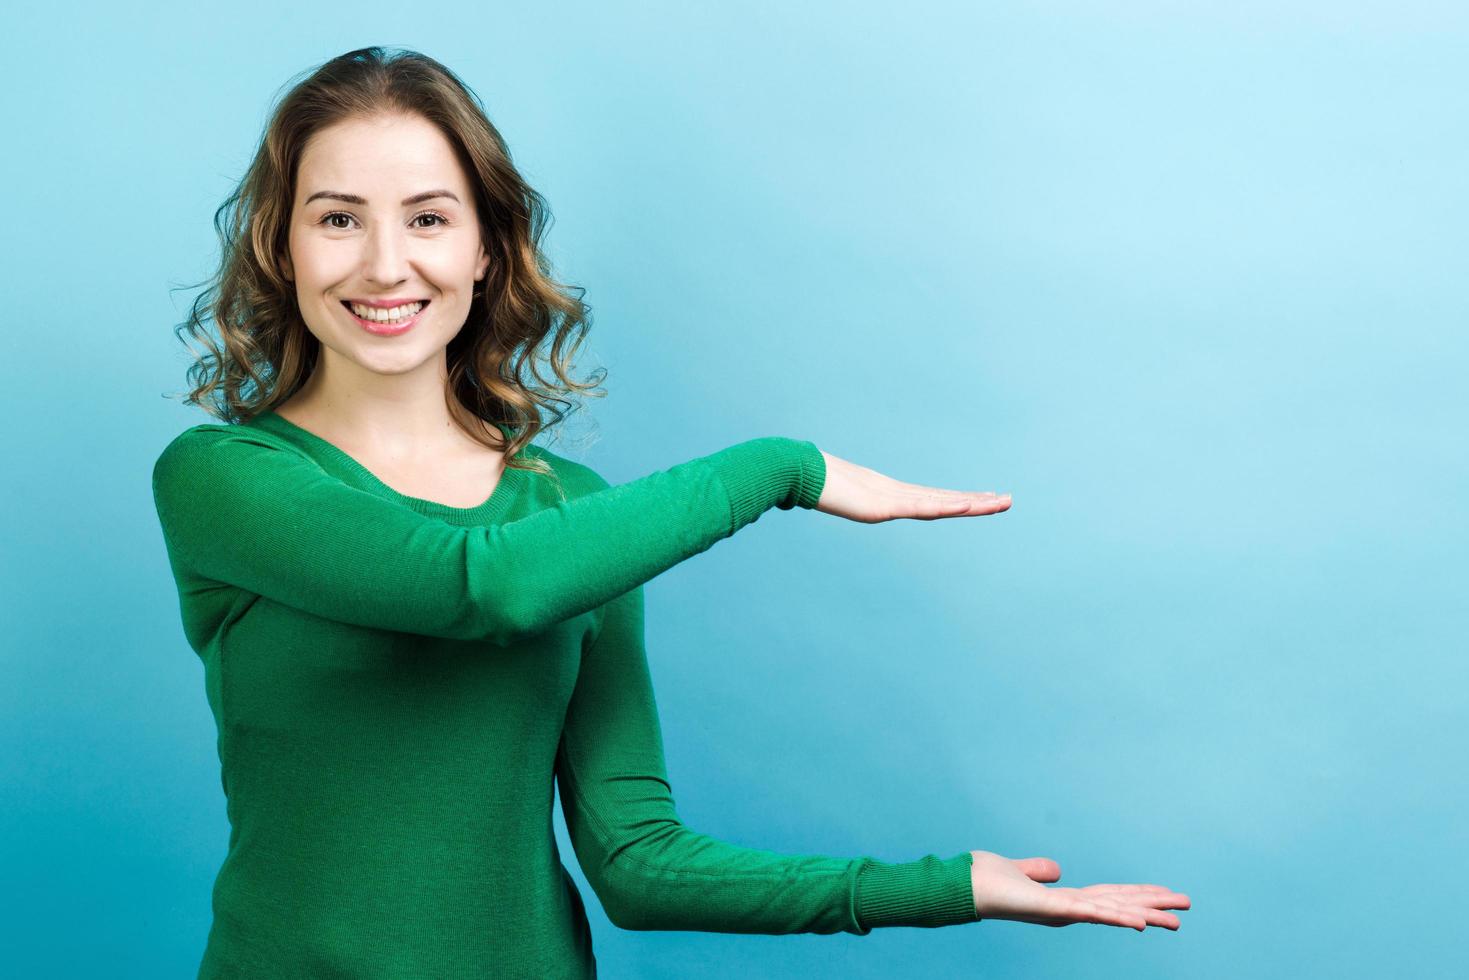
(331, 216)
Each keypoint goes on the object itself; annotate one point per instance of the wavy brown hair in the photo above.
(263, 352)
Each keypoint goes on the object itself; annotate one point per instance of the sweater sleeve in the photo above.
(652, 872)
(242, 509)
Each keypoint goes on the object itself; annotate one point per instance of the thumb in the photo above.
(1039, 868)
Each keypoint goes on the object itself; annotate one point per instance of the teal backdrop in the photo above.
(1186, 279)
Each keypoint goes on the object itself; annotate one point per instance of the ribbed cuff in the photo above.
(771, 471)
(928, 892)
(813, 475)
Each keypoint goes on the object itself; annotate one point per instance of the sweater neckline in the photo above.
(509, 485)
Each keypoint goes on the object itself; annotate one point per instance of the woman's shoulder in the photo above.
(217, 433)
(216, 444)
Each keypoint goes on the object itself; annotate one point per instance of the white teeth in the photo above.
(386, 316)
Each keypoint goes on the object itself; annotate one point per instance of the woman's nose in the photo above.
(386, 260)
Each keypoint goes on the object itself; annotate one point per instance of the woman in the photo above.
(412, 619)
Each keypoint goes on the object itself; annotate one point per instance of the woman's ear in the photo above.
(286, 269)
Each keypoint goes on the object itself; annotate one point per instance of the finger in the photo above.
(1158, 918)
(925, 491)
(1099, 911)
(1151, 916)
(1128, 889)
(977, 507)
(982, 498)
(1154, 895)
(930, 507)
(987, 503)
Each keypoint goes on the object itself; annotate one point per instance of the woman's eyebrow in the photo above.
(354, 199)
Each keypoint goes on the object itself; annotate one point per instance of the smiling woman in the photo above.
(413, 622)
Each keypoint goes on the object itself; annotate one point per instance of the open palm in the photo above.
(1010, 889)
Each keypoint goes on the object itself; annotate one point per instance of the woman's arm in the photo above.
(652, 872)
(242, 509)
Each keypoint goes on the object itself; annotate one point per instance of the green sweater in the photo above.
(396, 682)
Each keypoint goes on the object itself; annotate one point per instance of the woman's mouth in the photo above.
(386, 323)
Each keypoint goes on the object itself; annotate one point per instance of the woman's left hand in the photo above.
(1010, 889)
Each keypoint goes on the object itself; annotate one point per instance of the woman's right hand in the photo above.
(868, 497)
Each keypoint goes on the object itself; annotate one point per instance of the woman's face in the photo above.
(373, 220)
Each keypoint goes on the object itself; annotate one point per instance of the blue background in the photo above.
(1187, 280)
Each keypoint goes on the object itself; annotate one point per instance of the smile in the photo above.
(386, 322)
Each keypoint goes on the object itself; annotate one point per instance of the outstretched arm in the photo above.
(652, 872)
(241, 508)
